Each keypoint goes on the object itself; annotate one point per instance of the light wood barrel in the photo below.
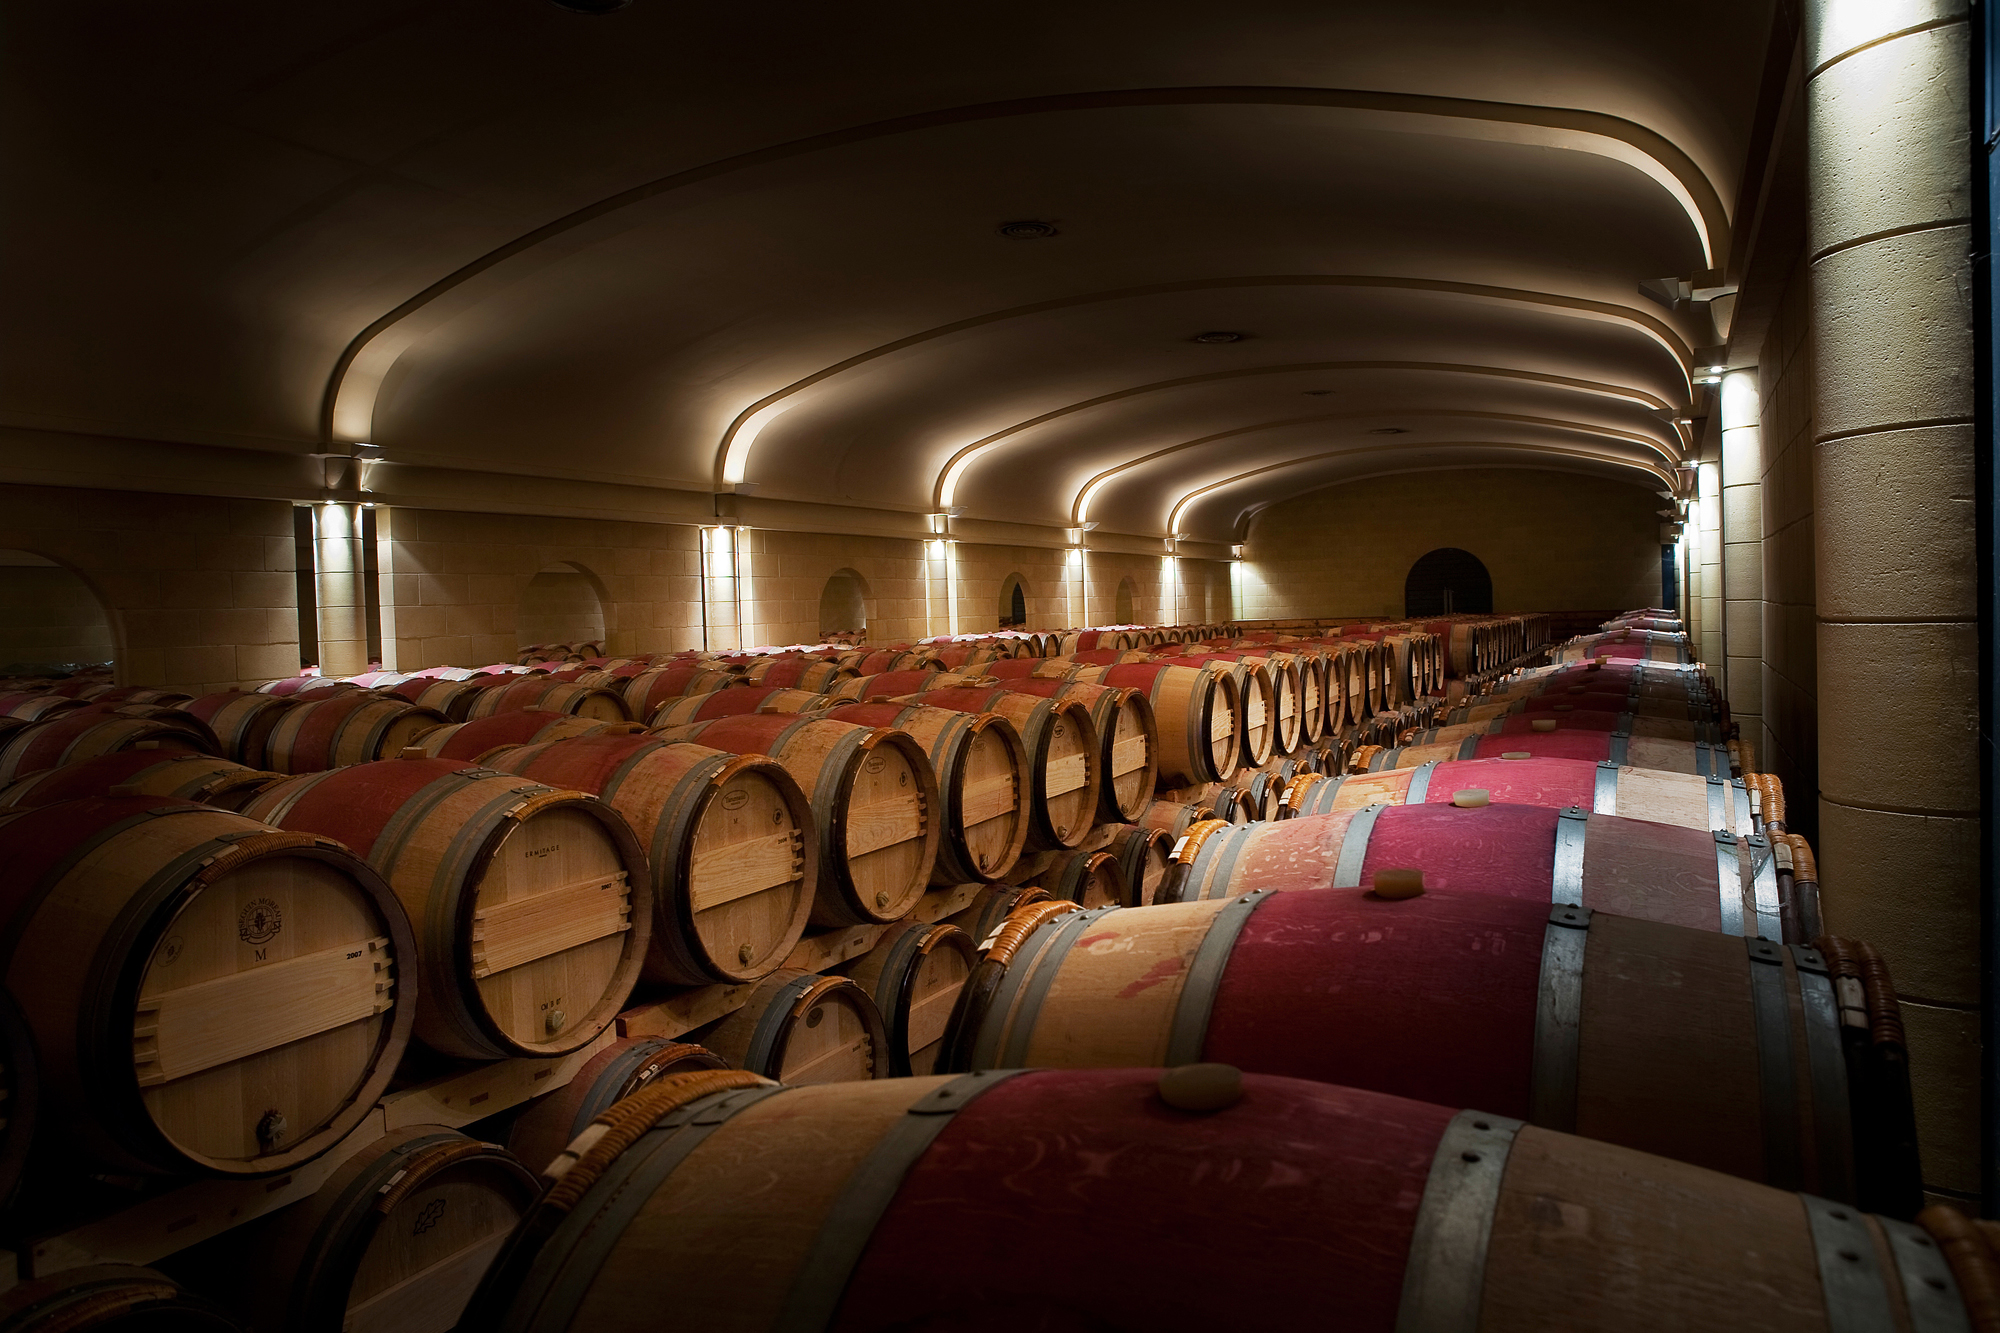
(876, 661)
(1171, 815)
(1064, 768)
(874, 799)
(110, 1298)
(1259, 793)
(881, 1205)
(533, 906)
(552, 696)
(1127, 737)
(180, 774)
(451, 698)
(624, 1067)
(33, 705)
(887, 684)
(395, 1241)
(241, 721)
(85, 733)
(992, 907)
(914, 974)
(1602, 788)
(1144, 855)
(1685, 1043)
(983, 783)
(1685, 876)
(645, 692)
(207, 994)
(817, 674)
(1268, 705)
(1196, 713)
(729, 839)
(470, 742)
(353, 727)
(1088, 879)
(803, 1028)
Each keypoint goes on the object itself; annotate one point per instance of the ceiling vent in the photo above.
(1220, 336)
(1028, 230)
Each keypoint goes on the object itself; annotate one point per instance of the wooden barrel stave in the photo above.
(593, 702)
(1128, 740)
(803, 1028)
(241, 722)
(353, 727)
(181, 775)
(1062, 752)
(914, 974)
(624, 1067)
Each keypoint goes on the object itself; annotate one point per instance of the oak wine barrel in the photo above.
(1128, 740)
(85, 733)
(914, 974)
(817, 674)
(533, 907)
(1060, 746)
(874, 800)
(1195, 710)
(1088, 879)
(20, 1085)
(1267, 704)
(33, 705)
(729, 840)
(645, 692)
(179, 774)
(1671, 756)
(352, 727)
(451, 698)
(470, 742)
(624, 1067)
(804, 1028)
(241, 721)
(992, 907)
(552, 696)
(1673, 1041)
(110, 1298)
(207, 994)
(746, 1207)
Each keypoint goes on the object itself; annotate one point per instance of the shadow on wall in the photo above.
(48, 617)
(1013, 603)
(843, 604)
(1448, 581)
(1121, 613)
(562, 604)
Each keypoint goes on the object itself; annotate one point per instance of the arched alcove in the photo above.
(49, 618)
(843, 604)
(1122, 610)
(1448, 581)
(1013, 603)
(562, 604)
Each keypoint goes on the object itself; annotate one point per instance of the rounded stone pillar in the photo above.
(1893, 407)
(1743, 556)
(340, 566)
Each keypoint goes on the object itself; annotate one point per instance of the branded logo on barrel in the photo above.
(259, 922)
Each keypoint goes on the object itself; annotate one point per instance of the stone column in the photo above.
(1743, 556)
(1708, 509)
(339, 566)
(1888, 240)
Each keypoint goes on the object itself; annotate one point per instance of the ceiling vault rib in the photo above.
(1601, 134)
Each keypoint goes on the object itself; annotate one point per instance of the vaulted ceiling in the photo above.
(761, 247)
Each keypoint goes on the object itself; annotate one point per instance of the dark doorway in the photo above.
(1448, 581)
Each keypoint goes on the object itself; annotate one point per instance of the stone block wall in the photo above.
(1789, 741)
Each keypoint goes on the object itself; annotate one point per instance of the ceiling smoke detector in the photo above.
(1028, 230)
(1220, 336)
(1390, 430)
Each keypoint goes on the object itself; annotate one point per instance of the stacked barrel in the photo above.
(1446, 989)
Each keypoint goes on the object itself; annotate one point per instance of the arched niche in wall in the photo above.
(562, 604)
(843, 604)
(50, 620)
(1013, 603)
(1447, 581)
(1122, 613)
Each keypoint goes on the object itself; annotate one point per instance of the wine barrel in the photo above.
(552, 696)
(645, 692)
(241, 722)
(735, 701)
(180, 774)
(1128, 740)
(110, 1298)
(803, 1028)
(33, 705)
(729, 839)
(887, 684)
(85, 733)
(1649, 679)
(746, 1207)
(352, 727)
(1171, 814)
(1696, 757)
(992, 907)
(470, 742)
(1690, 877)
(1268, 704)
(1602, 788)
(874, 799)
(1088, 879)
(914, 974)
(451, 698)
(207, 994)
(983, 783)
(613, 1074)
(397, 1238)
(1574, 699)
(297, 685)
(1628, 724)
(817, 674)
(1061, 747)
(533, 907)
(1196, 713)
(1661, 1038)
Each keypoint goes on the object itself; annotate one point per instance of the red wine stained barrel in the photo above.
(1604, 788)
(886, 684)
(452, 698)
(532, 906)
(85, 733)
(645, 692)
(729, 838)
(1678, 1042)
(179, 774)
(1696, 757)
(1631, 724)
(1689, 877)
(352, 727)
(241, 721)
(730, 701)
(20, 1083)
(882, 1206)
(613, 1074)
(798, 673)
(874, 799)
(207, 994)
(470, 742)
(33, 705)
(553, 696)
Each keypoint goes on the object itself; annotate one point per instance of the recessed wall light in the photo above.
(1028, 229)
(1220, 336)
